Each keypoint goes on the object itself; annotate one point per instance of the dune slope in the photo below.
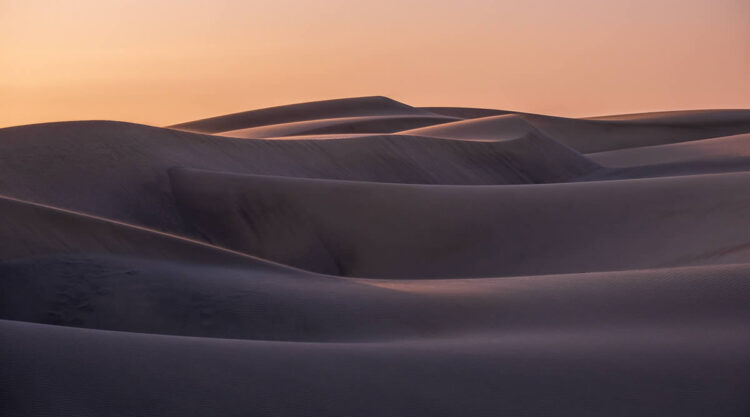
(363, 257)
(389, 230)
(341, 125)
(737, 146)
(684, 372)
(349, 107)
(28, 230)
(211, 300)
(119, 170)
(600, 135)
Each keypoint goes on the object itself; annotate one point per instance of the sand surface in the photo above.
(601, 134)
(364, 257)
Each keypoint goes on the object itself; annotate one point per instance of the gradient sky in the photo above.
(166, 61)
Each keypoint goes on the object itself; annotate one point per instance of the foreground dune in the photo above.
(673, 371)
(380, 260)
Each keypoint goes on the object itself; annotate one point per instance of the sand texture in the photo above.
(364, 257)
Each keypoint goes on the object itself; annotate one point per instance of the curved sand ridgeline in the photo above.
(342, 125)
(347, 107)
(599, 135)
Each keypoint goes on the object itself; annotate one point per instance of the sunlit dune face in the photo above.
(163, 62)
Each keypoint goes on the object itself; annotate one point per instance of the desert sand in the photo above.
(363, 257)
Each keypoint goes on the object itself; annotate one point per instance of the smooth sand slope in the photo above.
(465, 112)
(362, 257)
(721, 148)
(618, 373)
(193, 298)
(599, 135)
(389, 230)
(348, 107)
(29, 229)
(119, 170)
(342, 125)
(689, 117)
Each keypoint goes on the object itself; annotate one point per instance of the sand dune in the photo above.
(28, 229)
(689, 117)
(737, 146)
(348, 107)
(493, 128)
(276, 304)
(124, 166)
(639, 371)
(362, 124)
(599, 135)
(388, 230)
(465, 112)
(362, 257)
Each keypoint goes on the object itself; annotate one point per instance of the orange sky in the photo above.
(165, 61)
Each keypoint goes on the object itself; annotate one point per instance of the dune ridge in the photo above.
(364, 257)
(347, 107)
(725, 147)
(341, 125)
(30, 229)
(600, 134)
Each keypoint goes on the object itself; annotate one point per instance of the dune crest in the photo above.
(327, 109)
(341, 125)
(600, 134)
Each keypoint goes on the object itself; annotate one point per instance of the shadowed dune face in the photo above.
(97, 291)
(124, 166)
(602, 133)
(28, 229)
(382, 230)
(681, 372)
(465, 112)
(737, 146)
(589, 136)
(380, 260)
(503, 127)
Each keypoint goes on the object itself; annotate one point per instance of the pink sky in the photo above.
(162, 62)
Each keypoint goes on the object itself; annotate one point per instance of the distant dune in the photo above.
(329, 109)
(361, 124)
(728, 147)
(602, 133)
(363, 257)
(386, 230)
